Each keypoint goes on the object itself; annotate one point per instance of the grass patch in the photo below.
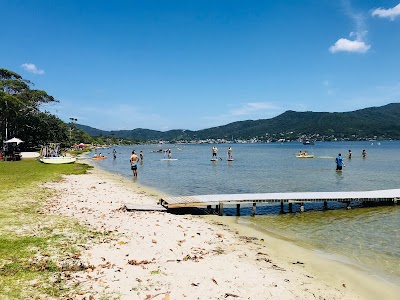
(36, 249)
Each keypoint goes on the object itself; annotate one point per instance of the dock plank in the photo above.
(303, 197)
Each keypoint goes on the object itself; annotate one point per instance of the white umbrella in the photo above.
(14, 140)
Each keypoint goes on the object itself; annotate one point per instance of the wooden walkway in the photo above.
(219, 200)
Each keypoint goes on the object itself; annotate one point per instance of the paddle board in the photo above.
(169, 159)
(214, 159)
(230, 159)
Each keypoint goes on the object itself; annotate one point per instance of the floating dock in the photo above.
(219, 200)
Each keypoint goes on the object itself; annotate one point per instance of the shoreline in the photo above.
(148, 245)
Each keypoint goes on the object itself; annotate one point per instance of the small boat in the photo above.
(305, 156)
(50, 154)
(307, 142)
(58, 160)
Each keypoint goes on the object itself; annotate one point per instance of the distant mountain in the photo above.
(379, 122)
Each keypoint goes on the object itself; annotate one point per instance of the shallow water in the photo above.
(368, 237)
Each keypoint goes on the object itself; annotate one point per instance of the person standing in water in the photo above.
(169, 154)
(133, 160)
(214, 152)
(364, 154)
(141, 155)
(114, 154)
(339, 162)
(230, 153)
(350, 153)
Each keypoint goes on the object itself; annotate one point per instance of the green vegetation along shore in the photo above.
(37, 250)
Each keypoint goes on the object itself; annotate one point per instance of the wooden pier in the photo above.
(219, 200)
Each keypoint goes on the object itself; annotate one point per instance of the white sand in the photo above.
(157, 255)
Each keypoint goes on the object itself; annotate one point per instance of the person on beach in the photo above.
(141, 155)
(339, 162)
(214, 152)
(230, 153)
(350, 153)
(133, 160)
(364, 154)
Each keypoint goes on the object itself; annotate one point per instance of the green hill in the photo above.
(374, 122)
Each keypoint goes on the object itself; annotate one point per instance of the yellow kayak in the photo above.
(305, 156)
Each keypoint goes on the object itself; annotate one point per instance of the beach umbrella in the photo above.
(14, 140)
(81, 145)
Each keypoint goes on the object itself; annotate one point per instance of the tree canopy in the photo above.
(20, 114)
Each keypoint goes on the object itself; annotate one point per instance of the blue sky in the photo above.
(197, 64)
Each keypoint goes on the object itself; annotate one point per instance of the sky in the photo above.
(179, 64)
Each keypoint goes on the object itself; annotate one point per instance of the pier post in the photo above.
(325, 205)
(302, 207)
(253, 210)
(238, 209)
(282, 211)
(221, 209)
(290, 207)
(217, 209)
(348, 205)
(395, 201)
(208, 208)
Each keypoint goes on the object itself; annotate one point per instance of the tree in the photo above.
(19, 110)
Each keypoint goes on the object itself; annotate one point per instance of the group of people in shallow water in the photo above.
(134, 159)
(339, 159)
(215, 152)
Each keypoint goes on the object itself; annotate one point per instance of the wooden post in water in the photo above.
(325, 205)
(253, 210)
(217, 209)
(302, 207)
(282, 211)
(221, 209)
(290, 207)
(348, 205)
(238, 209)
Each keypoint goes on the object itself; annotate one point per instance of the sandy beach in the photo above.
(158, 255)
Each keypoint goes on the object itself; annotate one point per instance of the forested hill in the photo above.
(374, 122)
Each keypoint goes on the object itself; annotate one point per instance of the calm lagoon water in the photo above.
(368, 237)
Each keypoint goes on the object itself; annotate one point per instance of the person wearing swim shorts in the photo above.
(214, 152)
(133, 160)
(339, 162)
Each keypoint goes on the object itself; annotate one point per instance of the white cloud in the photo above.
(390, 13)
(31, 68)
(250, 108)
(357, 45)
(245, 111)
(346, 45)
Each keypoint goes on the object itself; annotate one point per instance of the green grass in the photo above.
(36, 248)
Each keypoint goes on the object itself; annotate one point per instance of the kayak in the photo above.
(99, 158)
(305, 156)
